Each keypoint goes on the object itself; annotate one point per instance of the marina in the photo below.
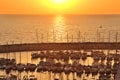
(59, 48)
(60, 61)
(59, 39)
(68, 60)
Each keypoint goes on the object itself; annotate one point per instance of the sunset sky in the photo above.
(59, 6)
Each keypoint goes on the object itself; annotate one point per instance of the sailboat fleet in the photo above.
(58, 62)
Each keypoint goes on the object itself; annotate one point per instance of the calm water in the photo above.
(30, 29)
(22, 28)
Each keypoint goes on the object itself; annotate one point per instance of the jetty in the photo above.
(59, 46)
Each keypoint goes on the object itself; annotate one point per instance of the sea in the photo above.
(18, 29)
(59, 28)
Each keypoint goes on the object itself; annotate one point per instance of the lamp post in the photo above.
(85, 36)
(79, 36)
(37, 36)
(47, 37)
(72, 38)
(116, 38)
(111, 32)
(98, 33)
(67, 38)
(54, 37)
(61, 37)
(116, 41)
(109, 37)
(41, 38)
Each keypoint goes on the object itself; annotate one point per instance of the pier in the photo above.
(59, 46)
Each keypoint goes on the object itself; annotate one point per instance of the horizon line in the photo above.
(59, 14)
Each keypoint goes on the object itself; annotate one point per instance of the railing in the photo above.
(48, 37)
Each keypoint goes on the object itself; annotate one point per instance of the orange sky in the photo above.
(70, 7)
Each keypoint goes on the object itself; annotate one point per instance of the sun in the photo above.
(58, 6)
(59, 1)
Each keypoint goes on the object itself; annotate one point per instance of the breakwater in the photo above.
(59, 46)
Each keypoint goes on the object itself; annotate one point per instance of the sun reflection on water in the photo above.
(59, 28)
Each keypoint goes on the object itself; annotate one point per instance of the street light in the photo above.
(109, 39)
(79, 36)
(37, 36)
(98, 33)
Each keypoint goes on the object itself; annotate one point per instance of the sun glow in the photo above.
(59, 1)
(58, 6)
